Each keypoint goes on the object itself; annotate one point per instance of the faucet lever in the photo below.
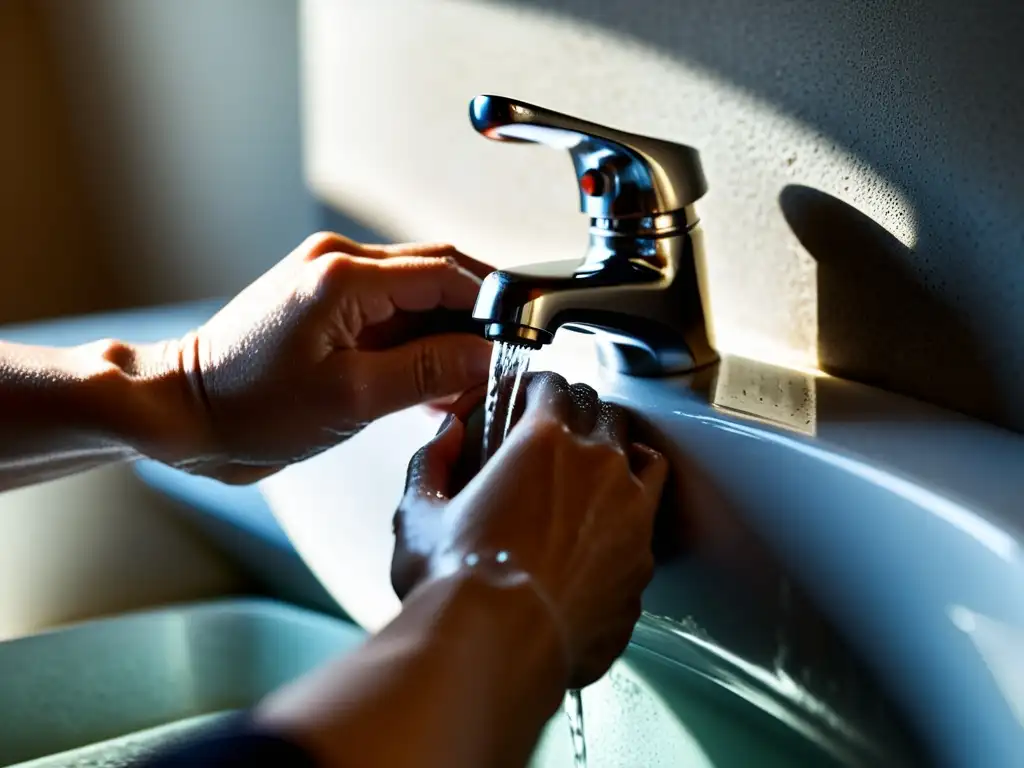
(620, 175)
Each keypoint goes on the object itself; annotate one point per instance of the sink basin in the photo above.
(844, 561)
(110, 691)
(113, 688)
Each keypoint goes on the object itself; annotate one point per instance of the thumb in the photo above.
(430, 468)
(425, 369)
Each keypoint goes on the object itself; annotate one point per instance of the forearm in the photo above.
(69, 409)
(466, 676)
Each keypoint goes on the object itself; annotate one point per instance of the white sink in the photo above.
(844, 560)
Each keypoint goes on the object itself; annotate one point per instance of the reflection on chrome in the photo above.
(772, 690)
(1001, 648)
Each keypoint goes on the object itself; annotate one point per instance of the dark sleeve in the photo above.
(237, 744)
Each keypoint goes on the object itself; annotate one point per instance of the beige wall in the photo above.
(186, 115)
(864, 159)
(51, 258)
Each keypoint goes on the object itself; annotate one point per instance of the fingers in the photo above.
(407, 283)
(435, 250)
(585, 408)
(381, 382)
(547, 396)
(323, 243)
(430, 469)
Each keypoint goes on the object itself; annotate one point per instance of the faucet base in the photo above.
(648, 357)
(656, 353)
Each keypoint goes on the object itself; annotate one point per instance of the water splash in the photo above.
(574, 712)
(508, 364)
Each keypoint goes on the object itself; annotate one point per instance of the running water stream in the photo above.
(508, 364)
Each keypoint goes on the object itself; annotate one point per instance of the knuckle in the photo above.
(547, 380)
(549, 430)
(320, 243)
(609, 456)
(337, 269)
(325, 278)
(584, 392)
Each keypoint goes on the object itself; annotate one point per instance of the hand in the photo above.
(567, 500)
(334, 336)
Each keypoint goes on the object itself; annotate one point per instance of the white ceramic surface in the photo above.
(828, 546)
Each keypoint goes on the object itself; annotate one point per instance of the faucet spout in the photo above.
(637, 291)
(637, 287)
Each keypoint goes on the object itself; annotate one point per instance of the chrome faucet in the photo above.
(637, 286)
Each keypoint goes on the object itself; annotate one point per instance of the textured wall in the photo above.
(864, 159)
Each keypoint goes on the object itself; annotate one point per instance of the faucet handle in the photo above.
(619, 174)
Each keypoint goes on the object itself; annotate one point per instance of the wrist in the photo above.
(466, 675)
(506, 622)
(138, 397)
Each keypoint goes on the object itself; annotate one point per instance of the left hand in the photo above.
(333, 337)
(436, 473)
(568, 503)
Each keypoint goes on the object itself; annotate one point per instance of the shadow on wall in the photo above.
(877, 323)
(187, 120)
(931, 95)
(330, 220)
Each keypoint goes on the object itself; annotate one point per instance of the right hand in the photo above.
(567, 500)
(334, 336)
